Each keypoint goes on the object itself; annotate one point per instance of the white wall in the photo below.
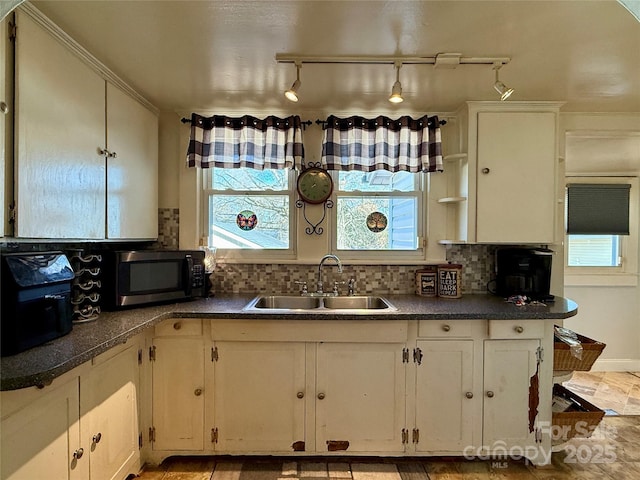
(610, 314)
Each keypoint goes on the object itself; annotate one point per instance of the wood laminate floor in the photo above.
(612, 452)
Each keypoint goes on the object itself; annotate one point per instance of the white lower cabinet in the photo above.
(259, 397)
(360, 403)
(84, 428)
(511, 392)
(42, 439)
(178, 393)
(445, 396)
(109, 416)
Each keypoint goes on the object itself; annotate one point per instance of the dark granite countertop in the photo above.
(40, 365)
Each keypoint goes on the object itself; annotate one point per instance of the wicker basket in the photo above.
(564, 360)
(576, 423)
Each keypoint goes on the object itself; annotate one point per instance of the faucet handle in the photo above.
(351, 286)
(304, 288)
(335, 287)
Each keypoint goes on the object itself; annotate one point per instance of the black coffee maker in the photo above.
(524, 271)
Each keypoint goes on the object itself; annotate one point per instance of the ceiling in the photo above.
(219, 56)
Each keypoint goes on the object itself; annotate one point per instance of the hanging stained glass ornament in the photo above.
(247, 220)
(376, 222)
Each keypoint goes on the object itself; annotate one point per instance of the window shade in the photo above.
(594, 209)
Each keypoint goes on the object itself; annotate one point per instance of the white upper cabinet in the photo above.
(132, 168)
(86, 151)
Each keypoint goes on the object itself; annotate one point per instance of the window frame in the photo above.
(248, 255)
(399, 256)
(625, 274)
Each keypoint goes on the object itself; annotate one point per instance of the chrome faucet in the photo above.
(319, 287)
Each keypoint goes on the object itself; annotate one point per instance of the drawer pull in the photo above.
(518, 329)
(321, 396)
(300, 395)
(177, 325)
(446, 328)
(490, 394)
(197, 392)
(469, 394)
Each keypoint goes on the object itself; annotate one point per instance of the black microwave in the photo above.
(144, 277)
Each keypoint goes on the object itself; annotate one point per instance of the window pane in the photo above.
(400, 234)
(377, 181)
(593, 250)
(271, 230)
(249, 179)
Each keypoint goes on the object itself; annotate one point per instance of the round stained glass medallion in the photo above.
(247, 220)
(376, 222)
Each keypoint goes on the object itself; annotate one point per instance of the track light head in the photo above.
(292, 93)
(396, 90)
(504, 91)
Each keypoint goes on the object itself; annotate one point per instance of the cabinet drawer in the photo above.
(445, 328)
(509, 329)
(179, 327)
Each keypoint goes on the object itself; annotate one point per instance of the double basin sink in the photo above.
(362, 303)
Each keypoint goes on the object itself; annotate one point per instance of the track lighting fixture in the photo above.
(504, 91)
(396, 90)
(292, 93)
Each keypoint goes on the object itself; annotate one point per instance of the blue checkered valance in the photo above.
(357, 143)
(224, 142)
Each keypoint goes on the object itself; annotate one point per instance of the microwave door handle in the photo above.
(188, 274)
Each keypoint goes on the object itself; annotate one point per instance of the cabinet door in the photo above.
(60, 126)
(259, 401)
(178, 393)
(510, 387)
(445, 396)
(132, 168)
(360, 390)
(109, 416)
(39, 440)
(516, 177)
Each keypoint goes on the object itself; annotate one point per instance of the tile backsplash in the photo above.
(477, 271)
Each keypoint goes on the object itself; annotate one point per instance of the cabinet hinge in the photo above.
(139, 356)
(417, 355)
(12, 213)
(415, 437)
(405, 436)
(214, 435)
(538, 435)
(540, 354)
(405, 355)
(214, 354)
(140, 441)
(152, 353)
(152, 434)
(13, 31)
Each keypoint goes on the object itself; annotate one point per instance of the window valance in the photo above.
(225, 142)
(357, 143)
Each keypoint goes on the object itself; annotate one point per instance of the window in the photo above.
(248, 208)
(600, 212)
(379, 211)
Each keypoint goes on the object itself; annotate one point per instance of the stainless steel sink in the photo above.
(318, 304)
(365, 302)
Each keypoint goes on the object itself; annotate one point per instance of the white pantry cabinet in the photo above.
(85, 152)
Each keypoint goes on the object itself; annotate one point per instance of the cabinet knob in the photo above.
(113, 155)
(4, 108)
(518, 329)
(486, 170)
(78, 453)
(97, 437)
(469, 394)
(490, 394)
(300, 395)
(321, 396)
(197, 392)
(177, 325)
(446, 328)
